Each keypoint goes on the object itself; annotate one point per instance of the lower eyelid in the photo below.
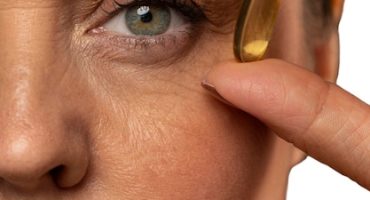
(146, 50)
(104, 44)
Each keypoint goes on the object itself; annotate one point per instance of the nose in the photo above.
(42, 138)
(37, 153)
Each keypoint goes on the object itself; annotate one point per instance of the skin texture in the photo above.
(320, 118)
(84, 117)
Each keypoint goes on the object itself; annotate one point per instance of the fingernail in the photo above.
(213, 91)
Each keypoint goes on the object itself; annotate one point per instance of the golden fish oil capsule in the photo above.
(254, 29)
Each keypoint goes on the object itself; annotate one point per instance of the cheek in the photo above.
(158, 135)
(180, 143)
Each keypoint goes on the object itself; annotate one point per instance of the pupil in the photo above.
(148, 17)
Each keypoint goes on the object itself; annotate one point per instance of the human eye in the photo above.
(146, 19)
(147, 30)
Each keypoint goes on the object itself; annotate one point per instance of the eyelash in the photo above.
(135, 49)
(186, 7)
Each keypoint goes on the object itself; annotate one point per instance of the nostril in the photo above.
(43, 155)
(56, 172)
(38, 165)
(61, 177)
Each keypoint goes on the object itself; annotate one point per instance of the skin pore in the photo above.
(92, 115)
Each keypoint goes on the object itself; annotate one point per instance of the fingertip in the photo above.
(259, 87)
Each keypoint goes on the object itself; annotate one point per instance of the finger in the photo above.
(318, 117)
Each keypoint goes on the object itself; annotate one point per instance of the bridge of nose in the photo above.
(34, 60)
(34, 53)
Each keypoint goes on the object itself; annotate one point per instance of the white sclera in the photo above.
(118, 23)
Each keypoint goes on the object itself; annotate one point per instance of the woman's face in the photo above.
(100, 102)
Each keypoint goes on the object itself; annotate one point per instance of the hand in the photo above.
(318, 117)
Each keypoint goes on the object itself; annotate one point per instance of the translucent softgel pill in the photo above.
(254, 29)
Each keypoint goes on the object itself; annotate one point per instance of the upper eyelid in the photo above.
(134, 49)
(104, 12)
(109, 8)
(187, 7)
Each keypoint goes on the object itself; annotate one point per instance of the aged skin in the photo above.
(87, 114)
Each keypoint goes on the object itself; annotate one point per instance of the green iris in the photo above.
(148, 20)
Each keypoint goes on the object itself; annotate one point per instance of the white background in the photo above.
(312, 180)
